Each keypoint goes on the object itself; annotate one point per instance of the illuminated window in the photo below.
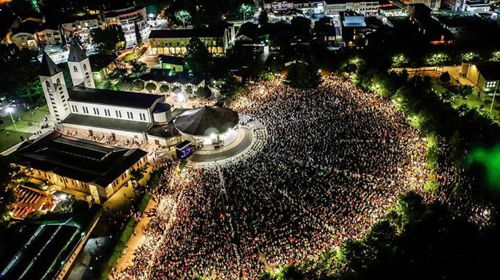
(490, 84)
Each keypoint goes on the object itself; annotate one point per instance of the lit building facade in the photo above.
(49, 34)
(485, 76)
(334, 7)
(130, 19)
(87, 170)
(102, 115)
(174, 42)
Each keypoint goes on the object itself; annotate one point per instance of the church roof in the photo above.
(91, 162)
(107, 123)
(114, 98)
(205, 121)
(76, 53)
(48, 67)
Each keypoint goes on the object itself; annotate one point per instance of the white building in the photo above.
(102, 115)
(305, 6)
(278, 6)
(80, 27)
(364, 7)
(130, 19)
(49, 34)
(476, 7)
(24, 35)
(310, 6)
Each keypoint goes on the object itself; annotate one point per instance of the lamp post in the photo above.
(494, 94)
(11, 110)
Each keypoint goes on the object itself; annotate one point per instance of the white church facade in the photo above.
(113, 117)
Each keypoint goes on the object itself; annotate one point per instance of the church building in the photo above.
(97, 114)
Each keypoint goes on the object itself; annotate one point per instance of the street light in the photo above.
(11, 110)
(494, 94)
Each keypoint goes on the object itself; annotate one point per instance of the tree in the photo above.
(197, 56)
(303, 76)
(203, 92)
(445, 78)
(108, 39)
(138, 85)
(301, 27)
(124, 84)
(164, 88)
(247, 10)
(183, 17)
(138, 69)
(136, 174)
(437, 59)
(19, 74)
(150, 87)
(399, 60)
(495, 56)
(469, 57)
(177, 89)
(263, 18)
(31, 91)
(230, 86)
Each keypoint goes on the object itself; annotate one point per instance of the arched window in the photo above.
(58, 81)
(47, 83)
(75, 69)
(85, 67)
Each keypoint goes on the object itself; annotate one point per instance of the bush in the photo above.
(143, 202)
(130, 57)
(203, 92)
(138, 85)
(151, 87)
(164, 88)
(445, 78)
(177, 90)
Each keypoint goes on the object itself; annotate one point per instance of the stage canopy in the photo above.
(206, 121)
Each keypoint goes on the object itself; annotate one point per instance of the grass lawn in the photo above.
(481, 104)
(118, 249)
(10, 135)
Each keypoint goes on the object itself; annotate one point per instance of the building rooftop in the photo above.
(163, 75)
(186, 33)
(27, 26)
(171, 59)
(118, 12)
(78, 18)
(76, 53)
(107, 123)
(78, 159)
(48, 67)
(114, 98)
(40, 250)
(489, 70)
(48, 25)
(100, 61)
(331, 2)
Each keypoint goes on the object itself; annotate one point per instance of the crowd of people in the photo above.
(334, 161)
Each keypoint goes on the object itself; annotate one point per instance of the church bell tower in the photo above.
(79, 66)
(54, 89)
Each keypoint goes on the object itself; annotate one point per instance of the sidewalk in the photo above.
(136, 240)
